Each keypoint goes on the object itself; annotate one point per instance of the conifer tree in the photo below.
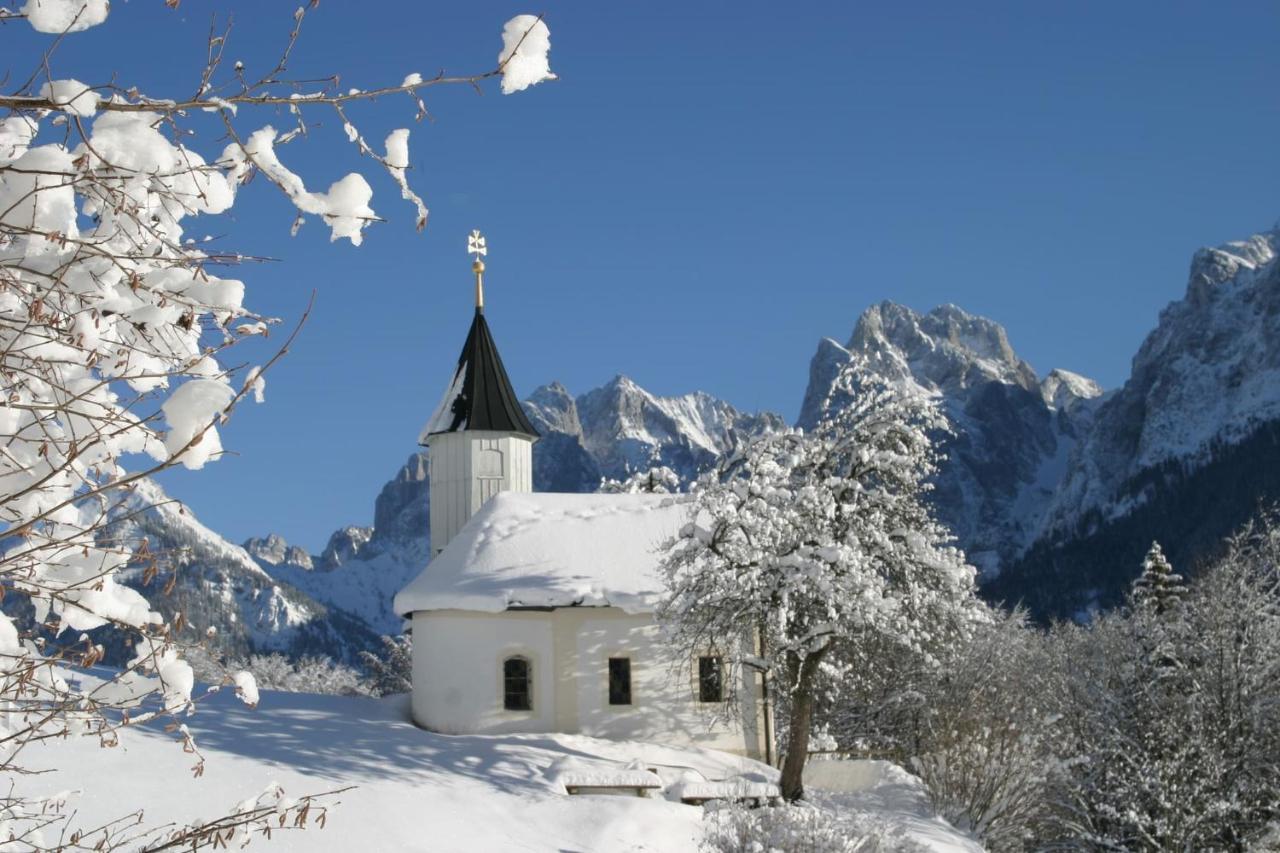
(1158, 588)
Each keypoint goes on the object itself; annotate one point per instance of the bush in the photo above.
(800, 828)
(307, 675)
(391, 671)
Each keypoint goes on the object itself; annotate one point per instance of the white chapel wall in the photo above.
(457, 677)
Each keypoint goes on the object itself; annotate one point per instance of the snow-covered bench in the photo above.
(737, 790)
(695, 791)
(691, 787)
(579, 777)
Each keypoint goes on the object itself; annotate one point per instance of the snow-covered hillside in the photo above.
(362, 569)
(219, 585)
(1013, 432)
(413, 790)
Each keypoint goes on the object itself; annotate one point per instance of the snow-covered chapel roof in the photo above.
(551, 550)
(480, 396)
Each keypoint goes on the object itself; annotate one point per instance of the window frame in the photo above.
(706, 677)
(628, 694)
(508, 678)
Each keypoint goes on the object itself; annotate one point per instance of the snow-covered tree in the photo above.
(987, 743)
(310, 674)
(390, 671)
(802, 542)
(115, 328)
(1174, 717)
(659, 480)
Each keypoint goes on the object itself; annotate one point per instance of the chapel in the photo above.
(535, 612)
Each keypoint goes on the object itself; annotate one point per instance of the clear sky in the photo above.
(707, 191)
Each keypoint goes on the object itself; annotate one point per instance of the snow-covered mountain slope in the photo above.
(1035, 465)
(219, 585)
(405, 789)
(1185, 452)
(363, 568)
(1013, 432)
(623, 428)
(1206, 377)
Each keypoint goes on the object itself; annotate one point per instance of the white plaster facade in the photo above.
(458, 679)
(469, 467)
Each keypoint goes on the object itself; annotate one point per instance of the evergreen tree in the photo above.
(1158, 588)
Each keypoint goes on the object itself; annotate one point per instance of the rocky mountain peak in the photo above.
(1063, 390)
(344, 546)
(551, 408)
(1233, 262)
(1207, 376)
(1012, 433)
(945, 348)
(273, 550)
(626, 428)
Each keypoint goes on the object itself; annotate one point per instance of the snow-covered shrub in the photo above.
(310, 674)
(115, 327)
(1171, 713)
(800, 828)
(390, 671)
(658, 480)
(986, 741)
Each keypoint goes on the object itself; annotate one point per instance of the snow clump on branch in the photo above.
(73, 96)
(65, 16)
(525, 44)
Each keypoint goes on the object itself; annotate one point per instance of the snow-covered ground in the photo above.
(413, 790)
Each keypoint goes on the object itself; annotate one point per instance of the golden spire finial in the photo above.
(476, 246)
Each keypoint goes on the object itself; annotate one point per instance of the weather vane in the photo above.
(476, 246)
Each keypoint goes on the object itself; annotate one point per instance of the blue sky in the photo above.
(707, 191)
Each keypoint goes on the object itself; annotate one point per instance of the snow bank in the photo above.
(413, 789)
(551, 550)
(896, 800)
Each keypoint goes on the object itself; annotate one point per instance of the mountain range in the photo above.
(1054, 488)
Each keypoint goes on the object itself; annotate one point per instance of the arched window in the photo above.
(517, 684)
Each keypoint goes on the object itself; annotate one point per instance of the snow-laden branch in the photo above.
(116, 335)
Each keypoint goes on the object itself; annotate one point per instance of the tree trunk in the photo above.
(798, 728)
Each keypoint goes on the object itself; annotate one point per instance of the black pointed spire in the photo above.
(480, 396)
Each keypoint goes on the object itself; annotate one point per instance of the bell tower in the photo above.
(479, 440)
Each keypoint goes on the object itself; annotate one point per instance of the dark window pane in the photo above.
(710, 680)
(619, 681)
(516, 695)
